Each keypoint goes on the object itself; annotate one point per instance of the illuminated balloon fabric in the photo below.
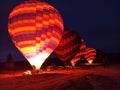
(80, 53)
(68, 46)
(36, 29)
(90, 54)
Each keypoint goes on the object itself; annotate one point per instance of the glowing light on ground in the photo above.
(28, 72)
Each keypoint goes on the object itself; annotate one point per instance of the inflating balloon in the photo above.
(80, 53)
(68, 46)
(35, 29)
(90, 54)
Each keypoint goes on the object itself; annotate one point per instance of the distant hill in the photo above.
(114, 57)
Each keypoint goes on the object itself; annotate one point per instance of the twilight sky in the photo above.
(97, 21)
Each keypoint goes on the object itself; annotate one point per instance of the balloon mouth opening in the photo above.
(90, 61)
(37, 61)
(73, 63)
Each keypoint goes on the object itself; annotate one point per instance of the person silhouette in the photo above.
(9, 62)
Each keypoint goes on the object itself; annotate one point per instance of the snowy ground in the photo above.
(82, 78)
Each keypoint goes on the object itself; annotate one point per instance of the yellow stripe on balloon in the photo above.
(46, 16)
(54, 39)
(52, 15)
(22, 22)
(47, 40)
(37, 38)
(42, 43)
(26, 42)
(40, 7)
(39, 25)
(24, 28)
(57, 33)
(43, 36)
(49, 49)
(45, 23)
(37, 45)
(39, 18)
(45, 5)
(51, 21)
(28, 21)
(15, 23)
(59, 22)
(28, 49)
(46, 49)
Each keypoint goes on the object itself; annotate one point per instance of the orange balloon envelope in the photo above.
(80, 53)
(90, 54)
(36, 29)
(68, 46)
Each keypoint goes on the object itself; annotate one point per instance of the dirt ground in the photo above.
(80, 78)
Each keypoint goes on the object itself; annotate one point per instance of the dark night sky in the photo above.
(97, 21)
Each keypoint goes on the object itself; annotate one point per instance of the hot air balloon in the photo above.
(90, 54)
(68, 46)
(36, 29)
(80, 53)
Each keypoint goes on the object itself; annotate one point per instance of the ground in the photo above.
(80, 78)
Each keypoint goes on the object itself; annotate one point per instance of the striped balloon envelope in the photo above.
(36, 29)
(68, 46)
(90, 54)
(80, 53)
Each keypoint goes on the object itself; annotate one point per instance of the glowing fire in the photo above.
(28, 72)
(73, 63)
(90, 61)
(38, 60)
